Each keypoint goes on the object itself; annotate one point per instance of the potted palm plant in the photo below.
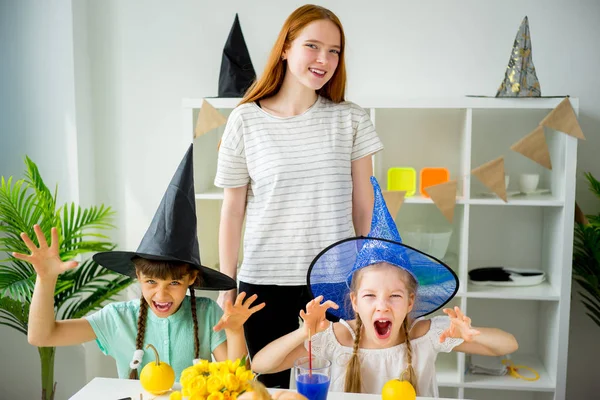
(24, 203)
(586, 255)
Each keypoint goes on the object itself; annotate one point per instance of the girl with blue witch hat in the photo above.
(380, 289)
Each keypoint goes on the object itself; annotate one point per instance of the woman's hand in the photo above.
(45, 259)
(226, 296)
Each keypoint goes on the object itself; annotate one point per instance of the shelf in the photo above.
(217, 194)
(418, 199)
(434, 102)
(507, 382)
(213, 194)
(461, 133)
(544, 292)
(448, 378)
(541, 200)
(216, 102)
(447, 374)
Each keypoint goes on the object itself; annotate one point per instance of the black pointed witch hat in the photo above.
(172, 235)
(237, 72)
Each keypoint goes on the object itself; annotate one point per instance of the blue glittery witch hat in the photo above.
(330, 274)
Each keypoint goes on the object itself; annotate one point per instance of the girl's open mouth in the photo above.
(383, 328)
(162, 307)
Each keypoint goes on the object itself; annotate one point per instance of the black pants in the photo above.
(278, 318)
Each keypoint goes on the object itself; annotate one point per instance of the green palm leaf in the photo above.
(87, 280)
(594, 184)
(18, 213)
(45, 199)
(586, 259)
(14, 314)
(593, 219)
(75, 221)
(16, 286)
(26, 202)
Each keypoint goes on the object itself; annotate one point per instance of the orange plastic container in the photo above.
(404, 179)
(431, 176)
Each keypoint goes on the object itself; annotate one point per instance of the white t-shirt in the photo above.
(298, 172)
(377, 366)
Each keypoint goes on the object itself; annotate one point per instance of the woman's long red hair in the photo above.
(272, 78)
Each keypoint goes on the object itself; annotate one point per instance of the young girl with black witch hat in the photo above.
(167, 265)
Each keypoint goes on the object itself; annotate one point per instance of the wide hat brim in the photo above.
(120, 262)
(330, 273)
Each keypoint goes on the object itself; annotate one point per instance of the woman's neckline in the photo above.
(302, 114)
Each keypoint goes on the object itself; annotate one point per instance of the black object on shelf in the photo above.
(502, 276)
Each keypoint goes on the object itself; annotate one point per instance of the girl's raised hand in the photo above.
(314, 317)
(460, 326)
(235, 315)
(45, 259)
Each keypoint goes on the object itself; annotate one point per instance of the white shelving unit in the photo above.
(527, 232)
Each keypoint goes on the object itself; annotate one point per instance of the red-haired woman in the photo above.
(295, 160)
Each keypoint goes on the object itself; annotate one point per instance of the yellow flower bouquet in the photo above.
(206, 380)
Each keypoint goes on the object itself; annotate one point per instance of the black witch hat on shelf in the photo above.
(172, 235)
(237, 72)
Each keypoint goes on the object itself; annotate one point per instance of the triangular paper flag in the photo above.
(444, 197)
(209, 118)
(491, 174)
(394, 200)
(534, 147)
(563, 119)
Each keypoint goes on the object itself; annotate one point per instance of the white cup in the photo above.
(528, 182)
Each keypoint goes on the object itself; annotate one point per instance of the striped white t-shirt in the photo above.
(298, 172)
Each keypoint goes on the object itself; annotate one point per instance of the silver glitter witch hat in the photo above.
(520, 79)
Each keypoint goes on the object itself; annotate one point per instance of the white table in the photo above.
(115, 389)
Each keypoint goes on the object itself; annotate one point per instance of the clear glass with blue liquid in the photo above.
(313, 384)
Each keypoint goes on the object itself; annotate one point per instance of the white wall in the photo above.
(37, 113)
(134, 61)
(38, 119)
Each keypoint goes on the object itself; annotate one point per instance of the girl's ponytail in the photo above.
(138, 354)
(195, 321)
(353, 382)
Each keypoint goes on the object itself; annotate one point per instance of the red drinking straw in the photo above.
(309, 354)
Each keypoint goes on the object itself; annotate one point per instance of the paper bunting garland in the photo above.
(444, 197)
(209, 118)
(491, 174)
(563, 119)
(394, 200)
(534, 147)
